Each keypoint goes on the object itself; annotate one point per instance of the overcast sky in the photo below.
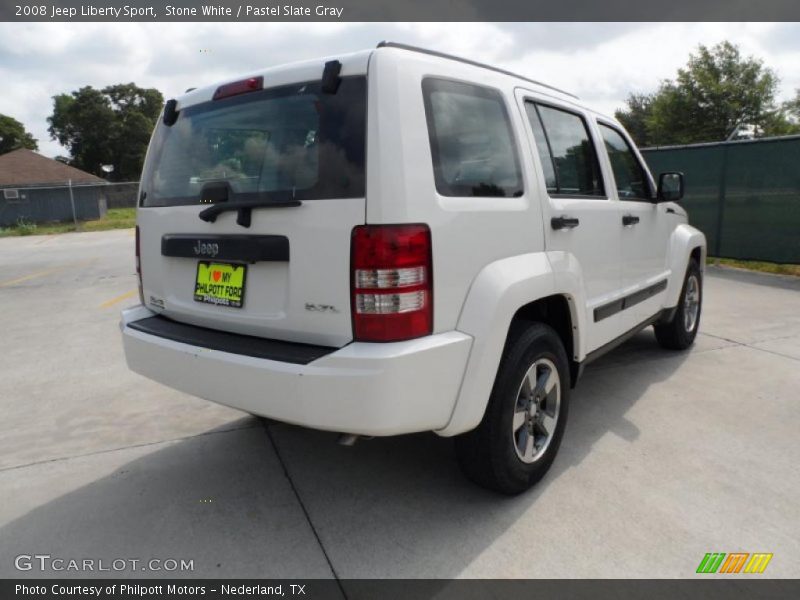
(600, 62)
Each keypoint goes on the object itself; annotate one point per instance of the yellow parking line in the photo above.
(119, 298)
(11, 282)
(31, 276)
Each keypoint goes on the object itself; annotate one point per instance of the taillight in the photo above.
(392, 282)
(139, 266)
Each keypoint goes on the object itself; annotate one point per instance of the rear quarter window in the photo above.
(472, 144)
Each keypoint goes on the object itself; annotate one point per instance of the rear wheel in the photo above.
(679, 333)
(520, 433)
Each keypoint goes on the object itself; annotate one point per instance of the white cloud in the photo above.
(601, 62)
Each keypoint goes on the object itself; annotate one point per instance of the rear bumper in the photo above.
(362, 388)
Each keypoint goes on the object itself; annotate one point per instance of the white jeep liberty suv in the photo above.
(397, 241)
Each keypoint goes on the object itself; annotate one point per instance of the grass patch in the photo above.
(115, 218)
(756, 265)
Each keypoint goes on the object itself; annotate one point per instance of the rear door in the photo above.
(580, 218)
(278, 268)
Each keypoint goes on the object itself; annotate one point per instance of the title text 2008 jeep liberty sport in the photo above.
(398, 241)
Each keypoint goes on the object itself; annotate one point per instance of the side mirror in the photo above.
(670, 187)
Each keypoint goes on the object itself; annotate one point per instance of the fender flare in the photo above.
(496, 294)
(682, 242)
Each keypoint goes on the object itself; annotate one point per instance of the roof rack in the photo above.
(386, 44)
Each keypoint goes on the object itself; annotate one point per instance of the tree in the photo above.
(13, 136)
(634, 119)
(717, 94)
(137, 111)
(108, 126)
(792, 109)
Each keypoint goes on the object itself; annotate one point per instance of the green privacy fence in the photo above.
(744, 195)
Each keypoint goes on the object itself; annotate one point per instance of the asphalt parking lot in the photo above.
(667, 456)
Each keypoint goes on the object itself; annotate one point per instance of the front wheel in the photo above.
(517, 440)
(679, 333)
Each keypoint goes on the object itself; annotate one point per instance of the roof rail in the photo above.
(386, 44)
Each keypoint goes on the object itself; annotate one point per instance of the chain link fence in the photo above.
(744, 195)
(121, 195)
(53, 203)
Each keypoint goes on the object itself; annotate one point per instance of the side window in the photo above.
(566, 150)
(631, 179)
(542, 148)
(471, 140)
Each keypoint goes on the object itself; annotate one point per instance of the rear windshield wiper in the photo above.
(244, 209)
(243, 204)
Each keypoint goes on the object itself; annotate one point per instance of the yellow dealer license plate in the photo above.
(220, 283)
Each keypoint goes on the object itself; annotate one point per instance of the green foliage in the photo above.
(115, 218)
(634, 119)
(717, 94)
(108, 126)
(754, 265)
(25, 227)
(13, 135)
(792, 109)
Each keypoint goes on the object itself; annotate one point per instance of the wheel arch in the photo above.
(686, 243)
(697, 254)
(557, 311)
(506, 292)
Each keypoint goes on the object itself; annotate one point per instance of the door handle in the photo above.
(564, 222)
(629, 220)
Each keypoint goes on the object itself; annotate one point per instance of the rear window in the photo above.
(291, 143)
(472, 145)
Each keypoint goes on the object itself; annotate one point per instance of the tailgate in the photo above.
(296, 155)
(303, 299)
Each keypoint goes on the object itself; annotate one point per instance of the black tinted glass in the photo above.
(629, 176)
(291, 141)
(471, 140)
(570, 150)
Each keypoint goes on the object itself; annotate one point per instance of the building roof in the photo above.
(25, 167)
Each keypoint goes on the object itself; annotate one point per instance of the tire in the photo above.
(498, 455)
(679, 333)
